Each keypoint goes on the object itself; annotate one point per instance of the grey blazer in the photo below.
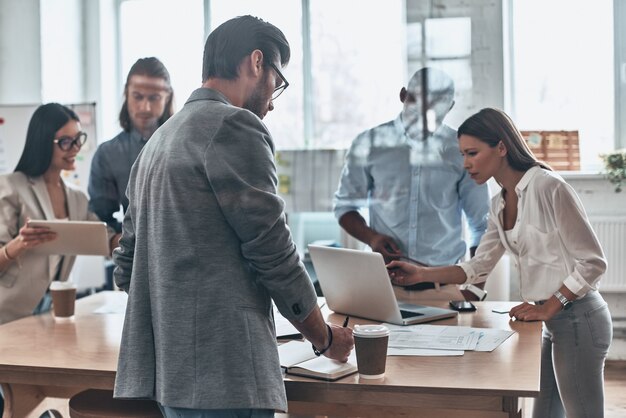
(24, 282)
(204, 247)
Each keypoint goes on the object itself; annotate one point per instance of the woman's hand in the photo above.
(529, 312)
(29, 237)
(404, 274)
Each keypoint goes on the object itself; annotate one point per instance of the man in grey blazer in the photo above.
(205, 247)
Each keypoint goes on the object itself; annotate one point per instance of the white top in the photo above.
(556, 244)
(511, 239)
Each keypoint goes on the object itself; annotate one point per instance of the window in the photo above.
(358, 66)
(157, 28)
(351, 75)
(563, 71)
(286, 122)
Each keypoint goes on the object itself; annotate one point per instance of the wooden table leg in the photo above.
(30, 401)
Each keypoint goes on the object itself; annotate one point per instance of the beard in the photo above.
(257, 102)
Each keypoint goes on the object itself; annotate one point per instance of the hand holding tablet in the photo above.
(31, 235)
(72, 237)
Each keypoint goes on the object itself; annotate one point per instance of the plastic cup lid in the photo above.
(57, 285)
(370, 331)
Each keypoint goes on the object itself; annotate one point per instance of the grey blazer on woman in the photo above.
(204, 247)
(24, 282)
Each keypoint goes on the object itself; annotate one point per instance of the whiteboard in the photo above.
(88, 271)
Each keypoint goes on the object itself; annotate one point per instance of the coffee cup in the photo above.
(370, 343)
(63, 299)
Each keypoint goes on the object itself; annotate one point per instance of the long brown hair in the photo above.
(492, 126)
(149, 67)
(43, 125)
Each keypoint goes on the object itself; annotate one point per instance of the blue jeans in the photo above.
(575, 344)
(215, 413)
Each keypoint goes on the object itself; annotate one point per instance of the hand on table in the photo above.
(530, 312)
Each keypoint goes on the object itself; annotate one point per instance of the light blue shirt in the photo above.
(416, 192)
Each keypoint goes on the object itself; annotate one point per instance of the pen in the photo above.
(345, 322)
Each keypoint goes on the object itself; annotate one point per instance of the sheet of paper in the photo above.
(284, 328)
(446, 337)
(294, 352)
(490, 338)
(325, 365)
(116, 306)
(394, 351)
(434, 337)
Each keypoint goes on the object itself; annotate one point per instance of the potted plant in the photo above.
(615, 168)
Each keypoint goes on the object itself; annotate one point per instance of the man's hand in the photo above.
(343, 343)
(386, 246)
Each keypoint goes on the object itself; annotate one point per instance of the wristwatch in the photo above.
(565, 302)
(477, 291)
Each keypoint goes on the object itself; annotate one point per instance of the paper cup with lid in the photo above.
(370, 343)
(63, 299)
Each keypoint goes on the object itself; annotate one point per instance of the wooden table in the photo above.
(477, 384)
(44, 362)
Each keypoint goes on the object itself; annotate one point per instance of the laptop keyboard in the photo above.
(409, 314)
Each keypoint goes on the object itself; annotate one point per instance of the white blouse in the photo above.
(554, 240)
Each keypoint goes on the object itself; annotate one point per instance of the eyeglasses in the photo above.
(279, 90)
(67, 142)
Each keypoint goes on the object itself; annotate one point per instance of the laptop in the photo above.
(357, 283)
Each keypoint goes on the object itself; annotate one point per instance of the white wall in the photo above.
(62, 65)
(20, 52)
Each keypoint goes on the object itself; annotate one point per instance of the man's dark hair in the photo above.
(42, 128)
(236, 38)
(149, 67)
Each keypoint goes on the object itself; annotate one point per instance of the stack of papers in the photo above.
(438, 340)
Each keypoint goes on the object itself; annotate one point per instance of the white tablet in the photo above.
(74, 238)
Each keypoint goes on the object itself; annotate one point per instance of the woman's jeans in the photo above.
(575, 344)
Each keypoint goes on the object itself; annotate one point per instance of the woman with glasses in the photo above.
(36, 190)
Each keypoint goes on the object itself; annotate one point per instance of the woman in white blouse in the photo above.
(538, 218)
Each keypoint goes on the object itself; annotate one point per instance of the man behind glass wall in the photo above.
(409, 173)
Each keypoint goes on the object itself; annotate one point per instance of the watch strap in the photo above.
(565, 302)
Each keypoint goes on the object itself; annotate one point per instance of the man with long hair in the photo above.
(148, 103)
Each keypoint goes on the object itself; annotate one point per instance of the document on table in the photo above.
(437, 337)
(114, 306)
(425, 352)
(284, 328)
(491, 338)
